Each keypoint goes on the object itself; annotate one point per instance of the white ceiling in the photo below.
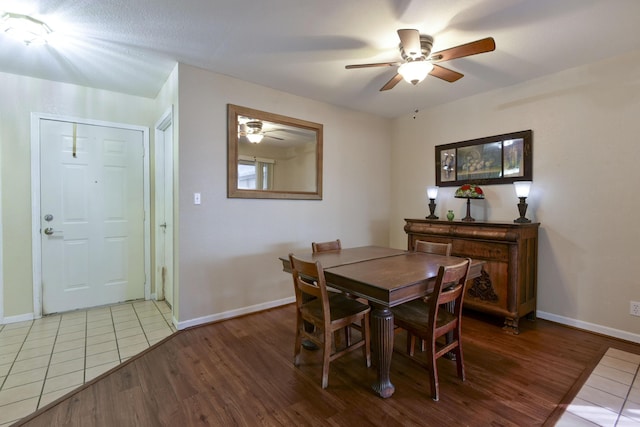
(302, 46)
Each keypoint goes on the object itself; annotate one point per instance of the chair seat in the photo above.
(412, 315)
(341, 308)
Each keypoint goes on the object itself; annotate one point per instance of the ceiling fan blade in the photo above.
(377, 64)
(445, 74)
(410, 40)
(473, 48)
(391, 83)
(274, 137)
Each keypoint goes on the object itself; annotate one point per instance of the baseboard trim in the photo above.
(16, 319)
(233, 313)
(591, 327)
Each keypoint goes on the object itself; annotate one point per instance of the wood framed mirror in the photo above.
(271, 156)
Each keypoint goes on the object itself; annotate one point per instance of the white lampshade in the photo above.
(432, 192)
(24, 28)
(255, 138)
(415, 71)
(522, 188)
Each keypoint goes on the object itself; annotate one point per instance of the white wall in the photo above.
(20, 97)
(586, 147)
(229, 248)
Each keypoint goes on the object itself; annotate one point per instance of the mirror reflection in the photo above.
(273, 156)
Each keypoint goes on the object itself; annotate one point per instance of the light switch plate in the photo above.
(634, 309)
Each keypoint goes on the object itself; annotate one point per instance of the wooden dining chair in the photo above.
(333, 245)
(328, 313)
(336, 245)
(432, 247)
(432, 320)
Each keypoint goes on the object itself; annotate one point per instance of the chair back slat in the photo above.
(309, 288)
(450, 294)
(433, 247)
(333, 245)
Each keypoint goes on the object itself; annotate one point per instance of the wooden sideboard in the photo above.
(507, 285)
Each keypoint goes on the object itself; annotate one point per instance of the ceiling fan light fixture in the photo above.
(415, 71)
(255, 138)
(24, 28)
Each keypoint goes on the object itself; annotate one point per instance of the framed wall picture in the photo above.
(499, 159)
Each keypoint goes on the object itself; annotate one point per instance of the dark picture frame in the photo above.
(498, 159)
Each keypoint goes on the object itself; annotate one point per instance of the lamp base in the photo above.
(468, 218)
(522, 221)
(522, 208)
(432, 208)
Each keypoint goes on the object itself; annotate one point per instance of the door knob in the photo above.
(50, 231)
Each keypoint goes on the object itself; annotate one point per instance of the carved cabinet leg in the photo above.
(382, 340)
(511, 325)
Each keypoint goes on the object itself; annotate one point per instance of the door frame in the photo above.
(36, 243)
(1, 253)
(161, 152)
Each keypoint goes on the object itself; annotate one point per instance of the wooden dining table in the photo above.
(386, 277)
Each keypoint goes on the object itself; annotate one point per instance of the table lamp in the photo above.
(432, 193)
(522, 191)
(469, 191)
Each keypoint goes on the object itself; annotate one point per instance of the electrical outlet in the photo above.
(634, 310)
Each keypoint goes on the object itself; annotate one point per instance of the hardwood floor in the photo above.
(240, 372)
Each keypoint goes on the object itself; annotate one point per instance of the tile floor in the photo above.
(611, 395)
(43, 359)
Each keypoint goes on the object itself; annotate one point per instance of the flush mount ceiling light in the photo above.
(24, 28)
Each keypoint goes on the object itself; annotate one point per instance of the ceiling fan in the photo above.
(252, 130)
(418, 61)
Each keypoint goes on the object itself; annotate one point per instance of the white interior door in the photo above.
(164, 208)
(92, 215)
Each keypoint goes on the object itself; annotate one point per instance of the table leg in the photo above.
(382, 340)
(309, 345)
(450, 307)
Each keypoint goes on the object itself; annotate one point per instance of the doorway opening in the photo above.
(163, 224)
